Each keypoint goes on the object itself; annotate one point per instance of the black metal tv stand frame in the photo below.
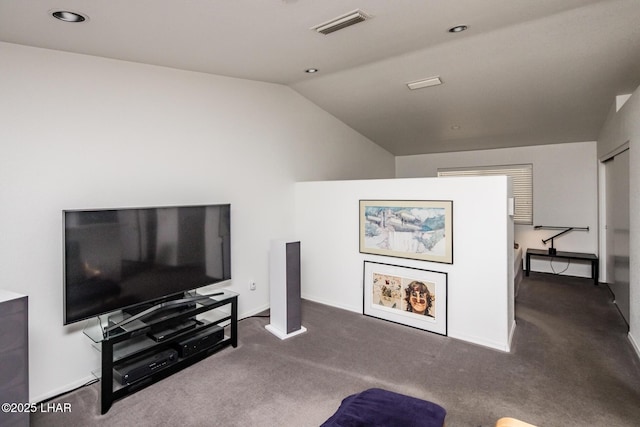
(127, 340)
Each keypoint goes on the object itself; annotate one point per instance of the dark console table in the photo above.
(152, 349)
(564, 255)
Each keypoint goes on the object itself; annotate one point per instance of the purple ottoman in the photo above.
(381, 408)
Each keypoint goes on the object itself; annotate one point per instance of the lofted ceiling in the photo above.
(523, 73)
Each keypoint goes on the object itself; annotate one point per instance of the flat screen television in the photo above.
(132, 258)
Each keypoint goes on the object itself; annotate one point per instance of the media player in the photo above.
(133, 370)
(200, 341)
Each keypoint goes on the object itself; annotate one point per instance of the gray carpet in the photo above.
(571, 365)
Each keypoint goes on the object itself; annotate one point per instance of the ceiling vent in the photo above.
(341, 22)
(419, 84)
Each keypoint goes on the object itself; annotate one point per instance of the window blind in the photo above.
(522, 178)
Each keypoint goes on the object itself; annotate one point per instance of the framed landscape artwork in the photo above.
(405, 295)
(419, 229)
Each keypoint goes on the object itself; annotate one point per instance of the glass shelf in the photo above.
(101, 327)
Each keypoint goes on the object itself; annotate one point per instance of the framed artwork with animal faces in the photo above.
(406, 295)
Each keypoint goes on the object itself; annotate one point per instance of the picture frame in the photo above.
(418, 229)
(397, 294)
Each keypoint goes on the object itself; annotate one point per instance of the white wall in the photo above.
(85, 132)
(480, 280)
(620, 128)
(565, 193)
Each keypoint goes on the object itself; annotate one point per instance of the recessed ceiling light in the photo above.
(311, 70)
(458, 29)
(67, 16)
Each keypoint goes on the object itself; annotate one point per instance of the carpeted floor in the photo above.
(571, 364)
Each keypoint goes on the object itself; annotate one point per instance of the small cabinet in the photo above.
(143, 351)
(14, 358)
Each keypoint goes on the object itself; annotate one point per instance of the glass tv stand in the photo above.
(139, 352)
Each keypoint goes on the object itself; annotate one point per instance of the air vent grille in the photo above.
(419, 84)
(341, 22)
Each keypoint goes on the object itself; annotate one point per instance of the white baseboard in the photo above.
(332, 304)
(634, 344)
(253, 312)
(62, 390)
(501, 346)
(511, 333)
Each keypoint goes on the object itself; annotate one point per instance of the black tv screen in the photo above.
(120, 258)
